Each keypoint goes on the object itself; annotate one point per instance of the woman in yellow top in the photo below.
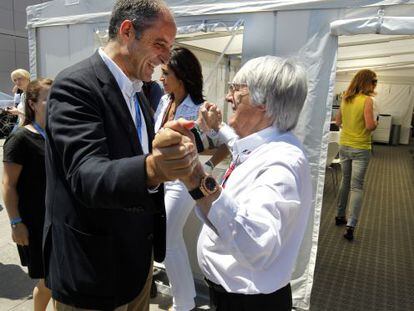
(356, 119)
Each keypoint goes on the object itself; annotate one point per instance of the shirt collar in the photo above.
(128, 87)
(187, 101)
(243, 147)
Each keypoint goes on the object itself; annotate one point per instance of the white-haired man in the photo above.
(255, 221)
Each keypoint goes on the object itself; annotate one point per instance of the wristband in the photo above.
(15, 221)
(198, 129)
(209, 163)
(208, 167)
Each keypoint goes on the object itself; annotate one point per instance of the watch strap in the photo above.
(196, 193)
(205, 188)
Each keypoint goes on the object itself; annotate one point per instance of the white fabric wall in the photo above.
(214, 88)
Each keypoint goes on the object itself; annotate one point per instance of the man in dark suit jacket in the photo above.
(105, 219)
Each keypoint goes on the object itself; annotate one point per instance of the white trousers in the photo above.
(178, 205)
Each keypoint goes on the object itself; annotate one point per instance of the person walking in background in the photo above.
(183, 82)
(21, 79)
(24, 186)
(356, 119)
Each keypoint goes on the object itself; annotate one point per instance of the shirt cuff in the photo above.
(227, 135)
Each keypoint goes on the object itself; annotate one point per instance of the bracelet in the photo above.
(209, 163)
(198, 129)
(15, 221)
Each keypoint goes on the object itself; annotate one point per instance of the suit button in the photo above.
(150, 237)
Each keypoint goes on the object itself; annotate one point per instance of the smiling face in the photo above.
(247, 118)
(151, 49)
(169, 80)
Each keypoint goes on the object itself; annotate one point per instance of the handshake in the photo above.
(174, 153)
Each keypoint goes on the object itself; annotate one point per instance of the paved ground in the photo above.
(15, 286)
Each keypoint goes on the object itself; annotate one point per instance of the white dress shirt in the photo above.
(251, 236)
(129, 89)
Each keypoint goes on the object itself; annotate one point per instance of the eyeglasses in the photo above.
(242, 90)
(236, 87)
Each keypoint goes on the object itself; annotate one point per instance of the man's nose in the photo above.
(229, 97)
(165, 57)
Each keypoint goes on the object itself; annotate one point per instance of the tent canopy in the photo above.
(389, 54)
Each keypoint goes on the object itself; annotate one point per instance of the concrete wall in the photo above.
(13, 39)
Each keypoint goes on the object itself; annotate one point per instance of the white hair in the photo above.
(280, 84)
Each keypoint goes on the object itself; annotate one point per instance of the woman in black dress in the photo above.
(24, 186)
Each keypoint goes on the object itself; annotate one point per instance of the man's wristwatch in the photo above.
(208, 186)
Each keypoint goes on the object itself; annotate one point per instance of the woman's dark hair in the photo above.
(187, 68)
(361, 84)
(32, 94)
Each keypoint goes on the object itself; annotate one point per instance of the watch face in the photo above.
(210, 184)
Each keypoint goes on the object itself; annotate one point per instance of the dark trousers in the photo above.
(280, 300)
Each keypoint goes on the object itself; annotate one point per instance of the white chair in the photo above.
(332, 161)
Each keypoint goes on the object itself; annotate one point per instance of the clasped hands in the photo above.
(174, 153)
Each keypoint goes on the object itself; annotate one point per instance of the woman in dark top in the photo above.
(24, 186)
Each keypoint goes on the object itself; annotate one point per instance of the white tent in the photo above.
(224, 32)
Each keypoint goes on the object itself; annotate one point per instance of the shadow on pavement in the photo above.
(15, 283)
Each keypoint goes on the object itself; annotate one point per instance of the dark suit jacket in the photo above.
(102, 225)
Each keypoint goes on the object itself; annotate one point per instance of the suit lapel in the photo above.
(113, 95)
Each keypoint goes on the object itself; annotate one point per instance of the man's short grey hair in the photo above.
(280, 84)
(142, 13)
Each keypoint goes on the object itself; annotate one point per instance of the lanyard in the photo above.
(138, 121)
(39, 129)
(228, 172)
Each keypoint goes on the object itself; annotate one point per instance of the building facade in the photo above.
(13, 39)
